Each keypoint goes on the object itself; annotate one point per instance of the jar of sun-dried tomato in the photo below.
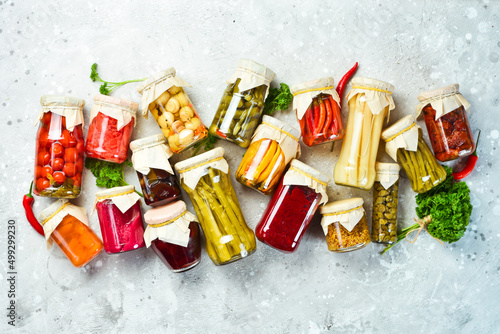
(111, 123)
(446, 120)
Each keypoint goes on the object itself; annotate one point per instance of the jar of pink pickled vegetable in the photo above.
(119, 212)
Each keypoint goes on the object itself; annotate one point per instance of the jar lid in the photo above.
(169, 72)
(199, 160)
(323, 83)
(439, 92)
(401, 126)
(256, 68)
(116, 191)
(280, 126)
(342, 205)
(164, 213)
(369, 83)
(309, 171)
(61, 101)
(387, 167)
(123, 104)
(150, 141)
(51, 210)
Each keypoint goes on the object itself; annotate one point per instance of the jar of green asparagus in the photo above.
(385, 203)
(405, 144)
(240, 108)
(206, 180)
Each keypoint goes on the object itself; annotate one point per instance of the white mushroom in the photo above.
(173, 105)
(178, 126)
(182, 98)
(163, 99)
(186, 136)
(174, 90)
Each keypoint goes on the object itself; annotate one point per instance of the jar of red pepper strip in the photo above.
(446, 122)
(300, 191)
(317, 106)
(111, 123)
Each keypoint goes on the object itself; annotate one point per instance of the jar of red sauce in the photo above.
(67, 225)
(446, 120)
(59, 147)
(120, 217)
(111, 123)
(300, 191)
(174, 235)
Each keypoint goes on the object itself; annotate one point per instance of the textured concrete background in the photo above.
(48, 47)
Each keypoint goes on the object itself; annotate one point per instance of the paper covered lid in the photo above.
(256, 68)
(309, 171)
(185, 165)
(106, 193)
(281, 126)
(52, 209)
(164, 213)
(367, 83)
(62, 101)
(450, 89)
(398, 128)
(304, 175)
(169, 72)
(123, 104)
(342, 205)
(322, 83)
(150, 141)
(443, 100)
(386, 173)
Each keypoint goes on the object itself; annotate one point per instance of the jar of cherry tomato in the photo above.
(120, 217)
(59, 147)
(301, 190)
(67, 225)
(273, 146)
(446, 120)
(111, 123)
(150, 159)
(317, 106)
(164, 96)
(174, 235)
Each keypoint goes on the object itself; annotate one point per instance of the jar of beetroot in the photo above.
(150, 159)
(111, 123)
(446, 120)
(174, 235)
(300, 191)
(119, 212)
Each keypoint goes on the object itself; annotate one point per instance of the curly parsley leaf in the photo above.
(278, 99)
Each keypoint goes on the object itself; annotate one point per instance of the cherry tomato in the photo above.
(79, 165)
(70, 154)
(63, 122)
(80, 146)
(56, 150)
(57, 164)
(42, 184)
(67, 139)
(43, 158)
(78, 132)
(47, 171)
(59, 177)
(77, 180)
(69, 169)
(38, 171)
(46, 118)
(43, 140)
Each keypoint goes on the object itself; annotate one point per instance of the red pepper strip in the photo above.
(322, 115)
(329, 116)
(336, 121)
(342, 83)
(28, 209)
(316, 116)
(471, 163)
(309, 119)
(221, 134)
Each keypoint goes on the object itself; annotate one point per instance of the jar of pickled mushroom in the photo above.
(385, 203)
(164, 96)
(67, 225)
(241, 106)
(111, 123)
(300, 192)
(405, 144)
(59, 147)
(150, 159)
(174, 235)
(370, 101)
(273, 146)
(205, 178)
(446, 120)
(120, 217)
(317, 106)
(344, 224)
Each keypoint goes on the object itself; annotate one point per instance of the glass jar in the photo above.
(385, 203)
(67, 225)
(205, 178)
(273, 146)
(317, 106)
(59, 147)
(370, 101)
(111, 123)
(120, 217)
(406, 145)
(345, 226)
(241, 106)
(174, 235)
(447, 123)
(150, 159)
(300, 192)
(163, 95)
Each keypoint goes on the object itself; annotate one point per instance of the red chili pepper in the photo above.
(329, 116)
(322, 115)
(28, 209)
(471, 163)
(342, 83)
(316, 116)
(309, 119)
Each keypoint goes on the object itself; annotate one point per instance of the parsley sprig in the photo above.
(278, 99)
(108, 174)
(107, 86)
(208, 144)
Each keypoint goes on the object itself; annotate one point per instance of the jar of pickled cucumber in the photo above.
(345, 226)
(164, 96)
(385, 203)
(241, 106)
(150, 159)
(67, 225)
(405, 144)
(446, 120)
(370, 101)
(273, 146)
(317, 106)
(205, 178)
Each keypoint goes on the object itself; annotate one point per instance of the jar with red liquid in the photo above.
(317, 106)
(446, 120)
(174, 235)
(120, 218)
(59, 147)
(301, 190)
(150, 159)
(111, 123)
